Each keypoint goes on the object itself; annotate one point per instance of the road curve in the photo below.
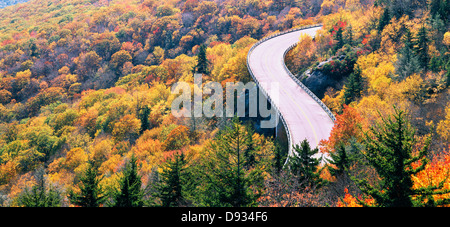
(304, 116)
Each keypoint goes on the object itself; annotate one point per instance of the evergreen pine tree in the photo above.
(407, 63)
(389, 150)
(447, 74)
(446, 12)
(304, 166)
(398, 8)
(130, 193)
(438, 8)
(40, 195)
(34, 51)
(249, 151)
(339, 37)
(435, 64)
(91, 193)
(171, 189)
(408, 39)
(340, 160)
(344, 164)
(354, 86)
(421, 47)
(143, 116)
(202, 61)
(384, 20)
(279, 158)
(225, 180)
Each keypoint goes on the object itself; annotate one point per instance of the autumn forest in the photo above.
(85, 104)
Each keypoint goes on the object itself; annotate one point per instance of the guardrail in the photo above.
(310, 93)
(330, 114)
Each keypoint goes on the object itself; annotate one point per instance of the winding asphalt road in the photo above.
(304, 117)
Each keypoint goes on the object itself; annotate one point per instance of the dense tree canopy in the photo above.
(85, 98)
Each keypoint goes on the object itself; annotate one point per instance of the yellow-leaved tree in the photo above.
(377, 69)
(443, 127)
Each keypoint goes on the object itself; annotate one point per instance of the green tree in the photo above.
(339, 37)
(447, 74)
(91, 193)
(202, 61)
(435, 7)
(224, 179)
(143, 114)
(130, 193)
(340, 160)
(421, 47)
(34, 51)
(384, 20)
(280, 157)
(440, 9)
(354, 86)
(446, 11)
(408, 62)
(305, 166)
(173, 181)
(436, 63)
(249, 151)
(389, 149)
(40, 195)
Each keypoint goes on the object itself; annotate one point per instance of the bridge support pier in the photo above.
(281, 137)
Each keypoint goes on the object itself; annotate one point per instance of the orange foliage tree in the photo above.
(348, 125)
(351, 201)
(127, 128)
(436, 175)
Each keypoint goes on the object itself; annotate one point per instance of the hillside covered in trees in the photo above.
(85, 98)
